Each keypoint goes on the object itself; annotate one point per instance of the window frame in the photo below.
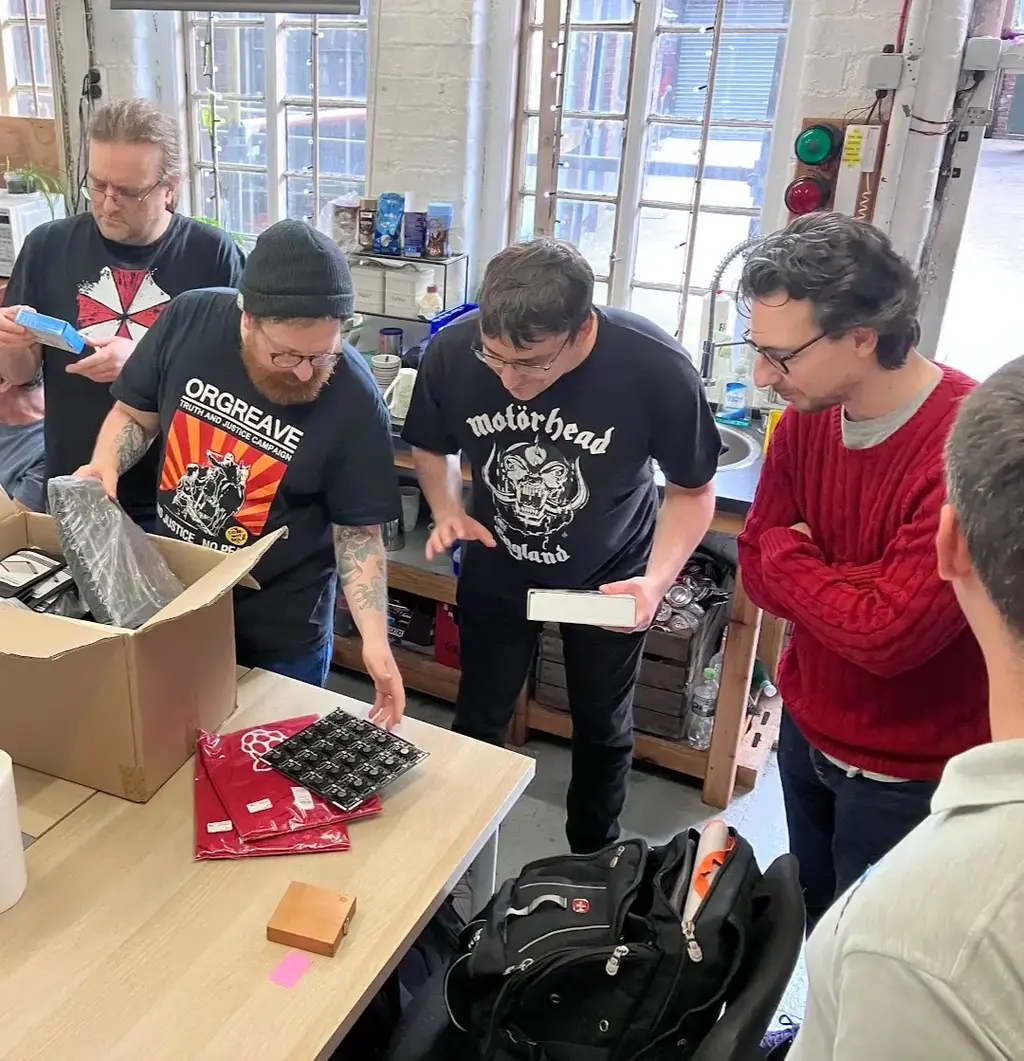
(646, 29)
(8, 61)
(276, 102)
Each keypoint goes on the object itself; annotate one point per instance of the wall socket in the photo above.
(96, 83)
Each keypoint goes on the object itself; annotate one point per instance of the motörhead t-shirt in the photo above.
(68, 270)
(565, 480)
(234, 465)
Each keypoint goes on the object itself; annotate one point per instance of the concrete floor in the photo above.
(659, 805)
(989, 266)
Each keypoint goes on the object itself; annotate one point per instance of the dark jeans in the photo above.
(839, 826)
(600, 671)
(311, 668)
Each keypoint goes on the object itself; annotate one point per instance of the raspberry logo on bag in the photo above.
(257, 742)
(581, 906)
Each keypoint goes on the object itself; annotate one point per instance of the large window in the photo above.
(27, 69)
(644, 139)
(277, 115)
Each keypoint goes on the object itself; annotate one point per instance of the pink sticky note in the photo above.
(290, 968)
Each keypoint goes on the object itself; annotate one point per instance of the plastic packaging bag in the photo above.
(260, 801)
(122, 578)
(217, 837)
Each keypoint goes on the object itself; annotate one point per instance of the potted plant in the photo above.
(30, 178)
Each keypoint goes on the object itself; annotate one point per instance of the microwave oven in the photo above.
(19, 214)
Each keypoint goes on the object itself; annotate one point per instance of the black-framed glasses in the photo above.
(98, 191)
(781, 358)
(527, 368)
(292, 358)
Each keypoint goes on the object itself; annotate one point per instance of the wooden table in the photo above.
(123, 947)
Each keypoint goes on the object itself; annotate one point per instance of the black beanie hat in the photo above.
(296, 271)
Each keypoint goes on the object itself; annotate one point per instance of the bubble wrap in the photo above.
(123, 580)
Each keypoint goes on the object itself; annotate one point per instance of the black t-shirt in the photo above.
(235, 465)
(67, 269)
(565, 481)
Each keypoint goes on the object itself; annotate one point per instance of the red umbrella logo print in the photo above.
(124, 302)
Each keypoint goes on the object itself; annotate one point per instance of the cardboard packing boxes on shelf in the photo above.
(115, 709)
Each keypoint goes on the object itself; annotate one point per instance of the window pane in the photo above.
(526, 217)
(241, 130)
(737, 12)
(25, 104)
(661, 246)
(600, 294)
(227, 16)
(591, 152)
(602, 11)
(45, 105)
(342, 62)
(531, 145)
(746, 84)
(19, 46)
(533, 76)
(538, 10)
(16, 8)
(597, 72)
(589, 226)
(40, 55)
(237, 61)
(243, 201)
(734, 170)
(342, 133)
(662, 307)
(300, 195)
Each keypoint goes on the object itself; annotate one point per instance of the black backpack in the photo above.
(584, 958)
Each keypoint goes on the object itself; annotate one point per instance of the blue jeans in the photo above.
(839, 826)
(312, 668)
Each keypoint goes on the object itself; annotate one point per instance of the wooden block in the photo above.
(311, 918)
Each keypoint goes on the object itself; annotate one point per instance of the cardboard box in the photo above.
(118, 709)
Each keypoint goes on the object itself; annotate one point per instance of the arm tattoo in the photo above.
(131, 445)
(361, 564)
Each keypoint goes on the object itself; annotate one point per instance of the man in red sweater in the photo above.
(883, 682)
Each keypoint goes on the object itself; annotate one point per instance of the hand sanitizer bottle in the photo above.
(737, 400)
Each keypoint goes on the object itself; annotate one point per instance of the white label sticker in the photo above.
(219, 827)
(260, 804)
(303, 798)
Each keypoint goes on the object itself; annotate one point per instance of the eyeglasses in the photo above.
(781, 358)
(292, 359)
(527, 368)
(98, 191)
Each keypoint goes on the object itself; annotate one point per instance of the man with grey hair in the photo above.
(924, 957)
(883, 682)
(559, 408)
(111, 273)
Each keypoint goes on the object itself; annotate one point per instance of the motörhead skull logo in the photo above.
(539, 490)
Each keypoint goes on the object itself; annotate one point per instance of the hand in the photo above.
(389, 703)
(460, 528)
(107, 476)
(13, 336)
(105, 365)
(648, 596)
(802, 528)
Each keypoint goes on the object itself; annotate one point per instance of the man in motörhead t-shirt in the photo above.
(559, 408)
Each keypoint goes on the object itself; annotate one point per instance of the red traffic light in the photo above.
(807, 194)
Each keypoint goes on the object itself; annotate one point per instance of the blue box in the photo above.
(51, 331)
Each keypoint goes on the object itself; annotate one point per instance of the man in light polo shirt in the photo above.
(923, 958)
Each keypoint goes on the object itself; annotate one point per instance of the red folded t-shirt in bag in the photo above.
(217, 837)
(260, 801)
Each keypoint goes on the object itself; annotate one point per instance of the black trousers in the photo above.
(497, 651)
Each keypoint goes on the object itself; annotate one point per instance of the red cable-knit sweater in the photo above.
(882, 671)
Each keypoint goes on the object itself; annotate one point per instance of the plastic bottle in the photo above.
(737, 397)
(701, 719)
(430, 304)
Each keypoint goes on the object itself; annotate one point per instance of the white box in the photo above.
(403, 289)
(581, 607)
(19, 214)
(368, 284)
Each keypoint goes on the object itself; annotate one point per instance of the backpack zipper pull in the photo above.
(619, 852)
(692, 946)
(611, 967)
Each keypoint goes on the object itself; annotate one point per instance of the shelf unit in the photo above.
(454, 262)
(739, 744)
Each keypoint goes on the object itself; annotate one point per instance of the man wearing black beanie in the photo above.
(266, 419)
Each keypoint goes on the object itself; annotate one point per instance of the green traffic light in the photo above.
(817, 144)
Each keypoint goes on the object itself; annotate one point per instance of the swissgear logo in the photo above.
(581, 906)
